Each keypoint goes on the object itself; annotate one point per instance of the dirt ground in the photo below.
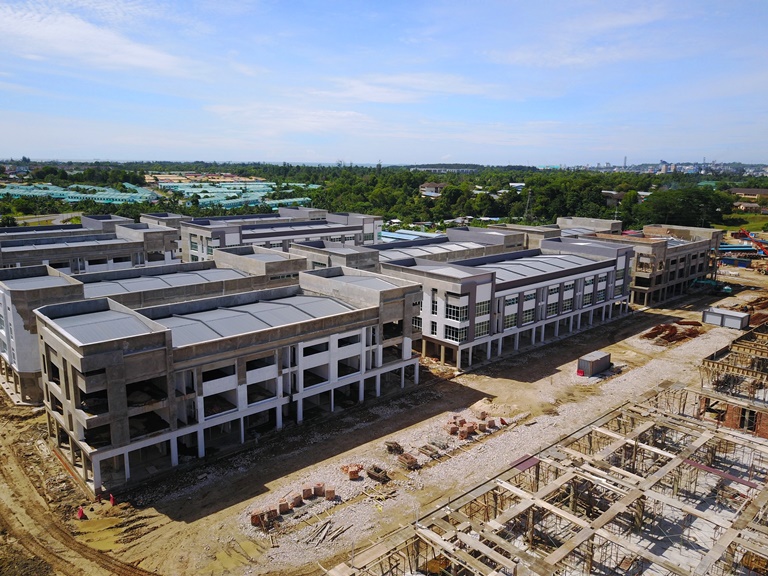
(197, 521)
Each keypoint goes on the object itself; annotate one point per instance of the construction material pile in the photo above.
(664, 334)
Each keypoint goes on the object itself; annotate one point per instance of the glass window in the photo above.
(511, 301)
(433, 328)
(455, 334)
(529, 316)
(482, 328)
(554, 290)
(460, 313)
(589, 281)
(568, 305)
(552, 309)
(529, 297)
(588, 299)
(601, 296)
(416, 323)
(434, 301)
(510, 320)
(568, 286)
(483, 308)
(620, 274)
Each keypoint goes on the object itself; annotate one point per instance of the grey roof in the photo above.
(224, 322)
(377, 283)
(35, 282)
(159, 282)
(386, 255)
(100, 326)
(535, 266)
(267, 257)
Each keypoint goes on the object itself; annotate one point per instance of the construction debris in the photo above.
(394, 447)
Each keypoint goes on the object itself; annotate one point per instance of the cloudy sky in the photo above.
(508, 82)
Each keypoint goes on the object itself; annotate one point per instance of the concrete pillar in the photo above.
(299, 410)
(96, 465)
(517, 341)
(603, 310)
(279, 418)
(442, 354)
(416, 373)
(458, 358)
(127, 464)
(242, 431)
(488, 348)
(174, 451)
(361, 390)
(402, 377)
(591, 316)
(201, 443)
(378, 385)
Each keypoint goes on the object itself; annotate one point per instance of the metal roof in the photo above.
(224, 322)
(535, 266)
(386, 255)
(159, 282)
(35, 282)
(100, 326)
(366, 281)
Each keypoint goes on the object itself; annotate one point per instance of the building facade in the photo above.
(131, 393)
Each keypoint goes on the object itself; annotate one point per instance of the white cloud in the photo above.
(40, 31)
(404, 88)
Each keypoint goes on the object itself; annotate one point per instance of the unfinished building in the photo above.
(129, 394)
(474, 309)
(29, 287)
(641, 490)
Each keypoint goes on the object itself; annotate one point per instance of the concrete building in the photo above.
(668, 259)
(24, 289)
(130, 393)
(200, 237)
(109, 243)
(572, 226)
(474, 309)
(456, 244)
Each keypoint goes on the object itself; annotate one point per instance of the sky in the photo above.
(552, 82)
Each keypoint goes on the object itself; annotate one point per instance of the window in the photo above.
(510, 320)
(482, 328)
(589, 281)
(433, 328)
(529, 316)
(620, 274)
(460, 313)
(483, 308)
(588, 299)
(553, 290)
(416, 323)
(434, 301)
(568, 286)
(552, 309)
(455, 334)
(368, 237)
(530, 296)
(568, 305)
(601, 278)
(209, 250)
(600, 296)
(511, 301)
(192, 245)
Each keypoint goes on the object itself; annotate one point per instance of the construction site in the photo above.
(521, 466)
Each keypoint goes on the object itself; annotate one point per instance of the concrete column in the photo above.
(442, 354)
(333, 400)
(488, 348)
(174, 451)
(416, 373)
(578, 322)
(279, 418)
(458, 358)
(543, 332)
(517, 341)
(201, 443)
(126, 461)
(557, 328)
(402, 377)
(96, 465)
(361, 390)
(299, 410)
(423, 347)
(603, 310)
(378, 385)
(242, 430)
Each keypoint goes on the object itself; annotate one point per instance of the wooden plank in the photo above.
(474, 544)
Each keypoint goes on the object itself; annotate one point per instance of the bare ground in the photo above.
(196, 522)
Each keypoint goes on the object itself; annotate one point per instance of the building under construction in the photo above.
(653, 487)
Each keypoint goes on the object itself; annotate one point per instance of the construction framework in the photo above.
(647, 488)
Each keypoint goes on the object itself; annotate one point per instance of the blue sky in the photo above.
(509, 82)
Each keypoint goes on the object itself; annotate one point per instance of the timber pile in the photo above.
(325, 531)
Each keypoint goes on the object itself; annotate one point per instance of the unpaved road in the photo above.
(195, 522)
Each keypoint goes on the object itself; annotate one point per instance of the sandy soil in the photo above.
(197, 522)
